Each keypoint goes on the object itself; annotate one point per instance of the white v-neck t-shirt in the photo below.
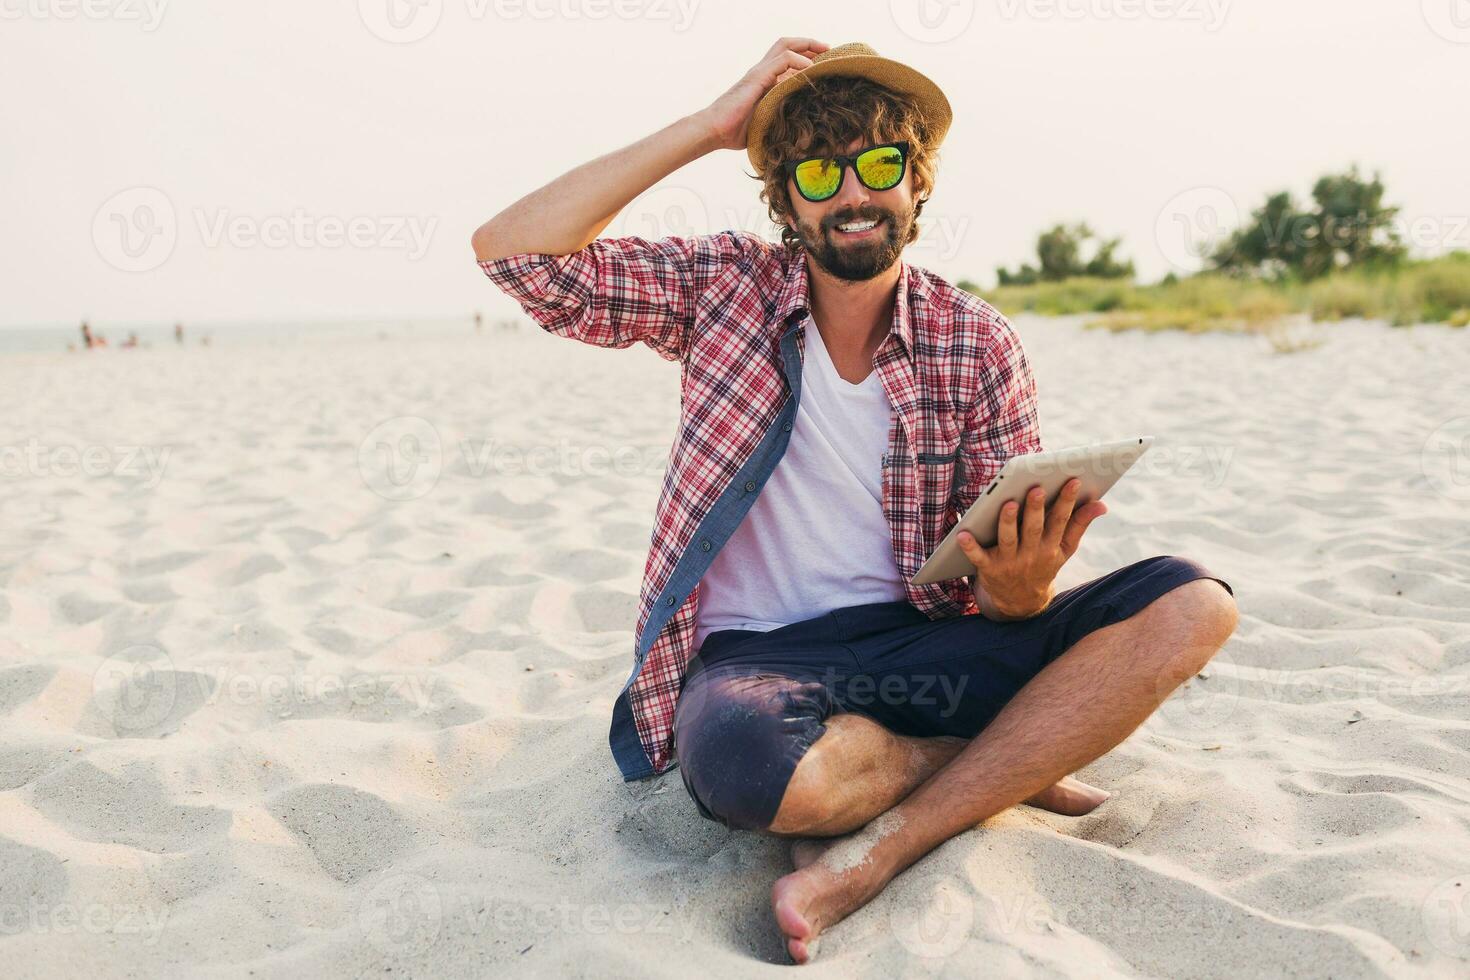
(816, 538)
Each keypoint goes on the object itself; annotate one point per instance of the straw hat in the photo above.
(851, 59)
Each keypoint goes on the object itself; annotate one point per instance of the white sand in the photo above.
(258, 719)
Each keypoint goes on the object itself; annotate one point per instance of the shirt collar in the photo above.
(792, 305)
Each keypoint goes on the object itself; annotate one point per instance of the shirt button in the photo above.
(749, 486)
(669, 601)
(704, 546)
(786, 427)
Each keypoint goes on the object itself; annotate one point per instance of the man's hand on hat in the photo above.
(728, 117)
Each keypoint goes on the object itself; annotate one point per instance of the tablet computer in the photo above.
(1098, 466)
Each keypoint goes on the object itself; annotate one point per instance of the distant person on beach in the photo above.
(479, 322)
(132, 341)
(90, 340)
(179, 334)
(840, 409)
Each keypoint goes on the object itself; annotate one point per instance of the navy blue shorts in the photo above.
(753, 702)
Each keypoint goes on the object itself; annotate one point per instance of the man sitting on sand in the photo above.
(840, 409)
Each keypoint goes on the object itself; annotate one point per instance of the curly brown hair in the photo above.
(824, 116)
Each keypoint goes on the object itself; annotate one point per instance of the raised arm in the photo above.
(572, 210)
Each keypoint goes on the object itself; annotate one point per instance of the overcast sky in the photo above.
(217, 160)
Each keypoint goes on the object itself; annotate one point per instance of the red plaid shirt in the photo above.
(729, 307)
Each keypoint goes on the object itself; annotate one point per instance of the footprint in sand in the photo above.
(29, 878)
(128, 807)
(351, 833)
(20, 684)
(137, 693)
(79, 609)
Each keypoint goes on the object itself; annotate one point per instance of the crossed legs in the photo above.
(1076, 709)
(863, 769)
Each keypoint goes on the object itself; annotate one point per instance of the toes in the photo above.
(1070, 798)
(802, 950)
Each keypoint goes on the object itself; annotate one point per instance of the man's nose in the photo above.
(852, 193)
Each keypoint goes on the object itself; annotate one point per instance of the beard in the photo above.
(857, 260)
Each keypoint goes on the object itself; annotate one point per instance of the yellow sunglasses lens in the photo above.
(818, 178)
(881, 167)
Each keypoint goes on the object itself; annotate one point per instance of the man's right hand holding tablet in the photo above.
(1013, 579)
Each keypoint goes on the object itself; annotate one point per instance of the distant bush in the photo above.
(1339, 258)
(1059, 256)
(1429, 291)
(1340, 297)
(1446, 286)
(1348, 227)
(1202, 304)
(1079, 295)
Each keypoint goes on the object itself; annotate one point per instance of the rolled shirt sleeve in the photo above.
(615, 292)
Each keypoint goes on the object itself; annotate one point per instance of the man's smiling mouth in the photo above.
(857, 229)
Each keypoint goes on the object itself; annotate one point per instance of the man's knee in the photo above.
(810, 804)
(1202, 607)
(1191, 622)
(740, 740)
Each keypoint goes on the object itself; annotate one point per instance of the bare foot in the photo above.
(1070, 797)
(834, 878)
(807, 901)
